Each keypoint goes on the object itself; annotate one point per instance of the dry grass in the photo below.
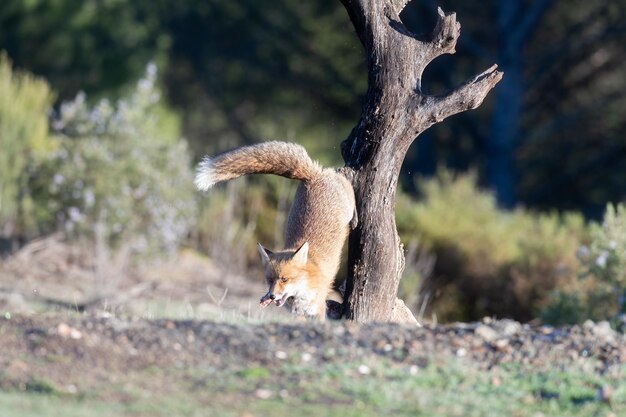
(53, 274)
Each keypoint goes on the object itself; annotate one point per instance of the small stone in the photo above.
(461, 352)
(414, 369)
(603, 330)
(66, 332)
(486, 332)
(510, 328)
(63, 330)
(546, 330)
(364, 369)
(306, 357)
(281, 355)
(501, 344)
(263, 394)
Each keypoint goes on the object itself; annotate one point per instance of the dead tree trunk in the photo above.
(394, 113)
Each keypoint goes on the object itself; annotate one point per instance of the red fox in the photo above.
(300, 276)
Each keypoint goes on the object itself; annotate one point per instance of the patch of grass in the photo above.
(40, 386)
(255, 373)
(370, 387)
(453, 388)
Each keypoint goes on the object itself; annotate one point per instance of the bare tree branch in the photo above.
(445, 34)
(468, 96)
(399, 5)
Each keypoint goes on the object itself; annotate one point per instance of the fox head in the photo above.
(286, 274)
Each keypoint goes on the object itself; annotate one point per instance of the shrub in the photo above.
(24, 140)
(488, 261)
(120, 174)
(606, 256)
(600, 292)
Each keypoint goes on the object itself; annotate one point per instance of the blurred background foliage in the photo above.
(24, 139)
(120, 173)
(505, 211)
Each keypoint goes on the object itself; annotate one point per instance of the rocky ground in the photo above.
(99, 346)
(167, 339)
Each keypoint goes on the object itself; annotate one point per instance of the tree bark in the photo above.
(394, 113)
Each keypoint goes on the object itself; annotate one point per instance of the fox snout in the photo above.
(270, 297)
(267, 299)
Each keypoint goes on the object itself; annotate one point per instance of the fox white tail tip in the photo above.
(205, 175)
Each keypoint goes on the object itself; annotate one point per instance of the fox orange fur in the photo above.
(300, 276)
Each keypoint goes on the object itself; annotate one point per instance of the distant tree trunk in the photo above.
(515, 23)
(394, 113)
(504, 138)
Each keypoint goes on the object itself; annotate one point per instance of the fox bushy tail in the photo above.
(280, 158)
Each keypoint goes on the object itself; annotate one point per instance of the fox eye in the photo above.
(283, 280)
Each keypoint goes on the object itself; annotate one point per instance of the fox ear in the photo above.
(302, 254)
(265, 254)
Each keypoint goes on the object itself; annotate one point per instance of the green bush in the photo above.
(600, 292)
(488, 261)
(606, 256)
(121, 174)
(24, 140)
